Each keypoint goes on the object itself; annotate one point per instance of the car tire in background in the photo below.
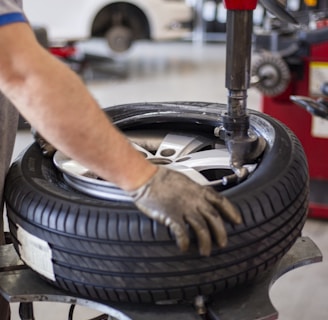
(119, 38)
(121, 24)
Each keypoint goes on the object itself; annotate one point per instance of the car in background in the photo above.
(120, 22)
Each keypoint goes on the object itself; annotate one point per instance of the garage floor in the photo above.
(184, 71)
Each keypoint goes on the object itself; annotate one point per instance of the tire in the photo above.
(108, 250)
(119, 38)
(121, 23)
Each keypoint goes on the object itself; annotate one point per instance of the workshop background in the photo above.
(191, 68)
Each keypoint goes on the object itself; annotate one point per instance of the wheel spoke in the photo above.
(189, 172)
(174, 146)
(193, 164)
(144, 151)
(207, 159)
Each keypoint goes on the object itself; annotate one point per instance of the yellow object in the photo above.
(311, 3)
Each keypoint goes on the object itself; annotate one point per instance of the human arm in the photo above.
(58, 105)
(51, 97)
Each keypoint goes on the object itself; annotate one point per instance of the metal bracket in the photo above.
(249, 302)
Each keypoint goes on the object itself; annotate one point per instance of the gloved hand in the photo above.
(173, 199)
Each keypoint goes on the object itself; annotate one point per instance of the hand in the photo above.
(173, 199)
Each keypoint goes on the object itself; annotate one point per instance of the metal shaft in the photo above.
(238, 60)
(243, 146)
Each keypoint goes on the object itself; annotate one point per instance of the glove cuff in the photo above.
(141, 191)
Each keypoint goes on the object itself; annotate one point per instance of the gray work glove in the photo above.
(174, 200)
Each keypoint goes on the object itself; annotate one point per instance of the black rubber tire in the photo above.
(119, 38)
(109, 251)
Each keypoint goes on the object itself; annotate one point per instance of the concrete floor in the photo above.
(184, 71)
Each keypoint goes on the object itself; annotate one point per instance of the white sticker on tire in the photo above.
(36, 253)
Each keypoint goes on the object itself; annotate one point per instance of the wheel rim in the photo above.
(204, 160)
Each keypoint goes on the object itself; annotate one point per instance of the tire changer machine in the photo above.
(291, 71)
(21, 285)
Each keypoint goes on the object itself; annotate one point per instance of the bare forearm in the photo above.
(59, 106)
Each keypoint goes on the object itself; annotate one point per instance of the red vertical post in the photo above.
(240, 4)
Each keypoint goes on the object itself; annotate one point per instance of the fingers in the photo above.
(200, 227)
(180, 231)
(216, 224)
(225, 207)
(204, 221)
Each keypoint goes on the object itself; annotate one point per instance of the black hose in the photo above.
(71, 312)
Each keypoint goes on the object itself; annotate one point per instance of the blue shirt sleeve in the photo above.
(12, 17)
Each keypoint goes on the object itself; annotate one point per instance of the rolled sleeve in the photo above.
(11, 12)
(11, 17)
